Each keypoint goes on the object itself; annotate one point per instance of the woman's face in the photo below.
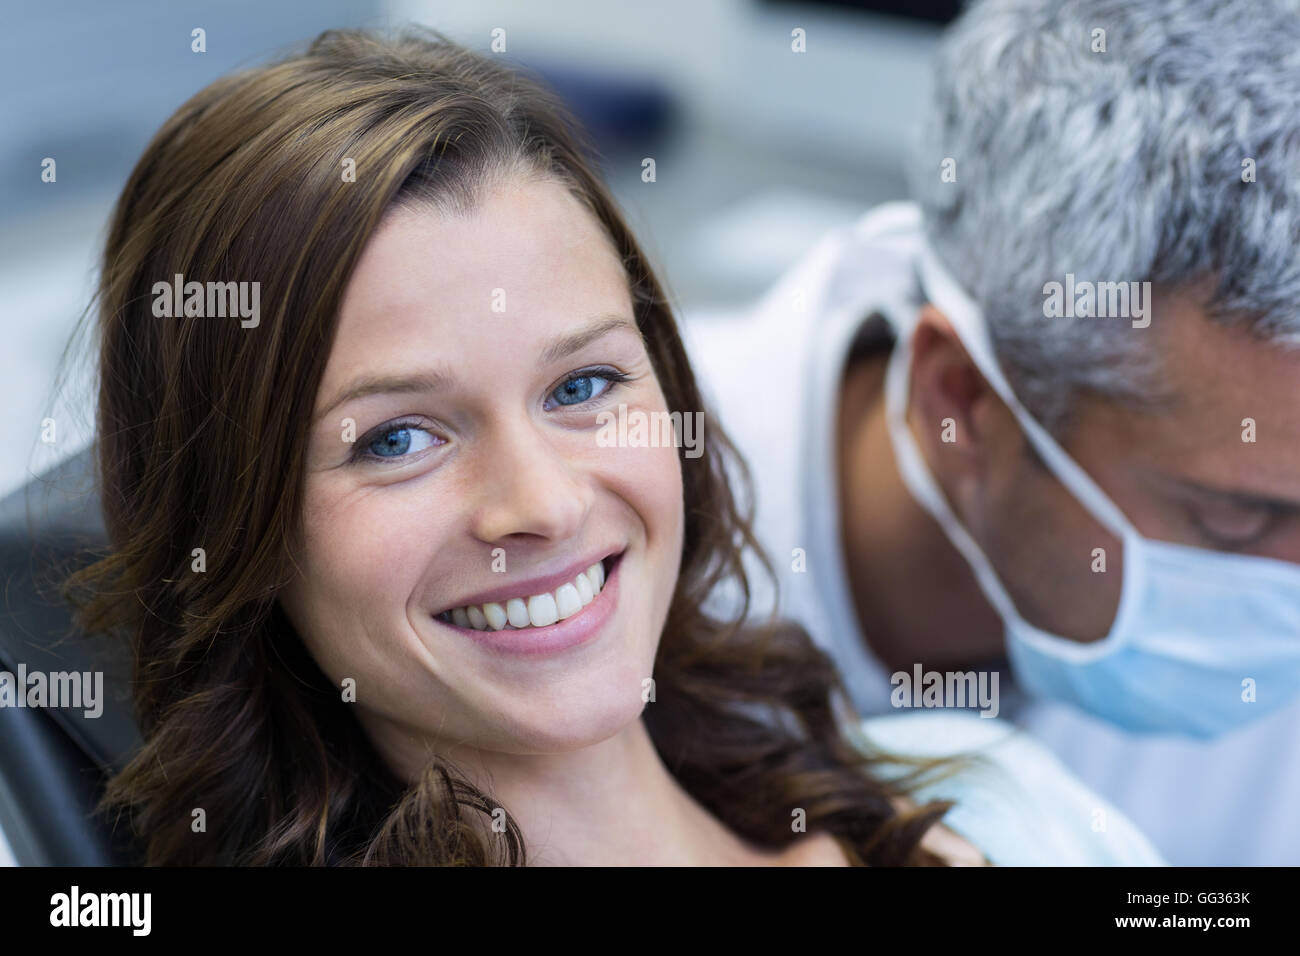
(474, 354)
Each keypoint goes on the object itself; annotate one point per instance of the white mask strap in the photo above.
(917, 477)
(968, 322)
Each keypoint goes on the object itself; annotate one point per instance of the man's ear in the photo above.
(960, 422)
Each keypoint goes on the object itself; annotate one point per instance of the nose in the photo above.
(528, 486)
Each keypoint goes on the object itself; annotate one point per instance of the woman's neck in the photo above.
(614, 803)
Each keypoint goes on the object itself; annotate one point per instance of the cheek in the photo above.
(361, 558)
(649, 482)
(661, 483)
(652, 487)
(646, 482)
(1044, 545)
(640, 464)
(1028, 510)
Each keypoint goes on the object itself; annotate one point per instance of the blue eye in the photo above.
(585, 386)
(394, 441)
(575, 390)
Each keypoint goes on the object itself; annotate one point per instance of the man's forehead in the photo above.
(1214, 366)
(1234, 413)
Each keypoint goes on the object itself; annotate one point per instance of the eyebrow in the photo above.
(569, 344)
(433, 380)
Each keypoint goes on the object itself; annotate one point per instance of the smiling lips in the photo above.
(538, 610)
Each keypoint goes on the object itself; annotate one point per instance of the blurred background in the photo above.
(758, 149)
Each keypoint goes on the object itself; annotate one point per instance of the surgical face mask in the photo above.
(1202, 642)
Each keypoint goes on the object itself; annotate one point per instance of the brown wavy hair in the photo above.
(200, 442)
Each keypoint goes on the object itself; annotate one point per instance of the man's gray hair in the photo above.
(1123, 165)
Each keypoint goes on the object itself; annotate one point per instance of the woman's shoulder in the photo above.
(1015, 800)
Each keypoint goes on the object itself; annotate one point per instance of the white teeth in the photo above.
(495, 614)
(517, 612)
(567, 602)
(542, 610)
(539, 610)
(585, 594)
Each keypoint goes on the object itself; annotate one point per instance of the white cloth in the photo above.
(773, 378)
(772, 375)
(1015, 802)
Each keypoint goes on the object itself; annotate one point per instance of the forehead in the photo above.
(1216, 368)
(521, 236)
(527, 258)
(1216, 376)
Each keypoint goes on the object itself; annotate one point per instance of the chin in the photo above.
(577, 716)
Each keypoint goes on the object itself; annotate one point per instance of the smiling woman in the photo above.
(440, 621)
